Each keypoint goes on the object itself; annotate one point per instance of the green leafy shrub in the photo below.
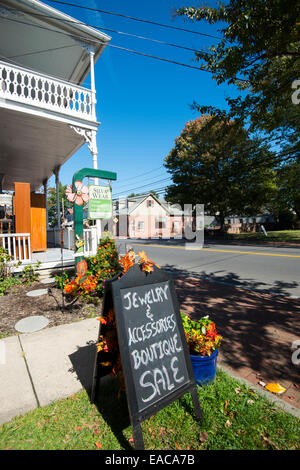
(29, 273)
(6, 278)
(62, 279)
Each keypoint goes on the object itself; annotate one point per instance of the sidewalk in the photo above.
(258, 331)
(45, 366)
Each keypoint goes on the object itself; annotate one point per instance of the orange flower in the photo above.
(127, 261)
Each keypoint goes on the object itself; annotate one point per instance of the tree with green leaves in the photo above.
(215, 163)
(51, 201)
(259, 52)
(285, 205)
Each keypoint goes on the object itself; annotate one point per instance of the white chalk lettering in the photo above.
(159, 294)
(148, 384)
(127, 296)
(175, 370)
(158, 350)
(160, 380)
(151, 329)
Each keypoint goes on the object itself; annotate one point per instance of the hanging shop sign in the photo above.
(79, 194)
(100, 202)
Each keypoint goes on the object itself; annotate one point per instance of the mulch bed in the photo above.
(16, 305)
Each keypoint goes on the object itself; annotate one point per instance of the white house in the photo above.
(46, 114)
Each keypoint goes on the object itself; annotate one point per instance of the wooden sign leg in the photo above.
(95, 387)
(196, 404)
(138, 436)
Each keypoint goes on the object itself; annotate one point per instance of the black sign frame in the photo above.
(112, 298)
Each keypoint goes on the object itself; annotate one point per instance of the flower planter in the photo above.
(205, 368)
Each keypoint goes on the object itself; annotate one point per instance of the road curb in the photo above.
(264, 393)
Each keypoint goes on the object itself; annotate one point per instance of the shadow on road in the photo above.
(230, 278)
(258, 328)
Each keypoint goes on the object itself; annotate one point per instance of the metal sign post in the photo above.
(80, 264)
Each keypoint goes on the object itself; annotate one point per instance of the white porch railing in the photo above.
(90, 239)
(36, 89)
(17, 245)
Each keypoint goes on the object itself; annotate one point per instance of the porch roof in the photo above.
(31, 147)
(39, 37)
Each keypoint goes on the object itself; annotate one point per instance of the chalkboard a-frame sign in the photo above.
(154, 354)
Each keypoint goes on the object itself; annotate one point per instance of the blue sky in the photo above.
(142, 103)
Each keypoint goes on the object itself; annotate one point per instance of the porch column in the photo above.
(93, 144)
(1, 182)
(56, 172)
(45, 184)
(93, 86)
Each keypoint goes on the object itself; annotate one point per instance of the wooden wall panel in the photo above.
(38, 222)
(22, 208)
(22, 213)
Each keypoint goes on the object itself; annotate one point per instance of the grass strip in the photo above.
(234, 417)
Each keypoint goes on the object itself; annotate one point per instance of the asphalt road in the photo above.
(266, 268)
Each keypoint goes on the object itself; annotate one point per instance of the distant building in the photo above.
(147, 217)
(247, 224)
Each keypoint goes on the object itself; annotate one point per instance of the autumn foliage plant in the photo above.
(101, 267)
(201, 335)
(104, 265)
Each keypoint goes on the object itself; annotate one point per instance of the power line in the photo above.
(119, 188)
(136, 19)
(77, 22)
(159, 191)
(159, 58)
(108, 45)
(41, 51)
(141, 187)
(142, 174)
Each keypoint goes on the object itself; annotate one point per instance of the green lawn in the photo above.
(279, 236)
(234, 417)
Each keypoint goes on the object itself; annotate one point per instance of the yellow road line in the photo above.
(220, 251)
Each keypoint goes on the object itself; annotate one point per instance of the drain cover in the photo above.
(31, 324)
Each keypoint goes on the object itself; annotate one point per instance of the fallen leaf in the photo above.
(177, 446)
(296, 386)
(96, 431)
(250, 402)
(228, 424)
(226, 406)
(237, 390)
(203, 436)
(78, 428)
(98, 445)
(275, 388)
(267, 441)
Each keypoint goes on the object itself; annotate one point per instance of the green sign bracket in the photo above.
(78, 210)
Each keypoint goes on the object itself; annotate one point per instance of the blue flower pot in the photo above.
(205, 368)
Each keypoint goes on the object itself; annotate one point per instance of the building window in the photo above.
(150, 203)
(176, 226)
(160, 224)
(140, 226)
